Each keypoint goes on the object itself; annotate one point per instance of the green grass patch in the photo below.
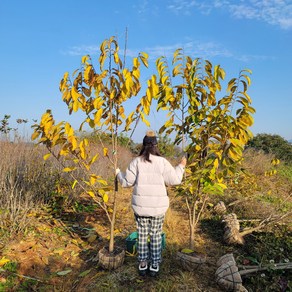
(286, 171)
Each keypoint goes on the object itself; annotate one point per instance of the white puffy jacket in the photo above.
(150, 180)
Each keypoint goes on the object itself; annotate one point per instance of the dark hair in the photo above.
(147, 150)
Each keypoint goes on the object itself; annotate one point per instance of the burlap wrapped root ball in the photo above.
(190, 261)
(231, 229)
(229, 257)
(228, 277)
(230, 220)
(220, 208)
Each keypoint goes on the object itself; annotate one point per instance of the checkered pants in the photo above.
(149, 226)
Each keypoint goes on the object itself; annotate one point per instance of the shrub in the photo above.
(273, 144)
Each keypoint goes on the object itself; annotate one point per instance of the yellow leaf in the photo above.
(93, 179)
(97, 116)
(232, 154)
(69, 169)
(97, 103)
(4, 261)
(47, 156)
(64, 151)
(87, 72)
(136, 62)
(35, 135)
(73, 142)
(82, 151)
(75, 94)
(76, 106)
(105, 151)
(84, 58)
(236, 142)
(59, 250)
(122, 112)
(129, 121)
(198, 147)
(168, 123)
(86, 166)
(275, 161)
(103, 182)
(69, 130)
(116, 58)
(74, 184)
(93, 159)
(146, 122)
(91, 194)
(143, 58)
(223, 186)
(110, 210)
(105, 198)
(216, 163)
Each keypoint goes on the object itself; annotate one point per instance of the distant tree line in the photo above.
(270, 144)
(273, 144)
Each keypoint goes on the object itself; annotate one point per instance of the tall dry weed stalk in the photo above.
(26, 182)
(257, 162)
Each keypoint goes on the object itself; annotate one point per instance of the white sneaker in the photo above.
(154, 270)
(143, 267)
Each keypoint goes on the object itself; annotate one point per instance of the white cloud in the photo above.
(205, 50)
(82, 50)
(144, 8)
(274, 12)
(185, 7)
(191, 48)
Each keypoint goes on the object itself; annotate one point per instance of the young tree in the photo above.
(100, 94)
(216, 129)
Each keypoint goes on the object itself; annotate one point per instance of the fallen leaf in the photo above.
(83, 274)
(4, 261)
(59, 251)
(91, 238)
(63, 273)
(186, 250)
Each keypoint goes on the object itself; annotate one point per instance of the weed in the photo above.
(81, 207)
(49, 208)
(11, 267)
(286, 171)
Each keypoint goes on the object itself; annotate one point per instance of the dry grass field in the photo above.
(50, 236)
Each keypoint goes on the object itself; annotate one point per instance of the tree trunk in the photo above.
(113, 221)
(192, 216)
(192, 236)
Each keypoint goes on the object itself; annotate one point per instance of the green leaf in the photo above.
(63, 273)
(186, 250)
(85, 273)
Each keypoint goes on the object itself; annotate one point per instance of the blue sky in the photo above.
(41, 40)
